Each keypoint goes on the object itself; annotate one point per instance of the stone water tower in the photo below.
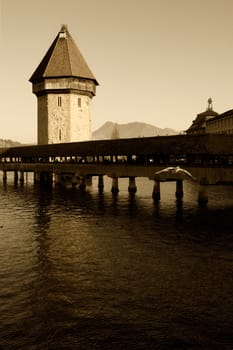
(64, 86)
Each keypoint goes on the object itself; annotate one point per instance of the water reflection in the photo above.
(179, 210)
(132, 204)
(99, 271)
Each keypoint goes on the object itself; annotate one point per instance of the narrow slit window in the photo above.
(79, 102)
(60, 135)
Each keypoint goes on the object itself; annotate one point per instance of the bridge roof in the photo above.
(160, 145)
(63, 59)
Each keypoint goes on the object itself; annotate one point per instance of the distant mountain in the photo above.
(9, 143)
(113, 130)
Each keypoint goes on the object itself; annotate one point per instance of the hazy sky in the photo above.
(157, 61)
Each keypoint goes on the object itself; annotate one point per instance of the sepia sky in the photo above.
(157, 61)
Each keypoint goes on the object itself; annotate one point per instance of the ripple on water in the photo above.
(90, 271)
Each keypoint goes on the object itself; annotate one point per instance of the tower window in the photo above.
(79, 102)
(60, 135)
(59, 101)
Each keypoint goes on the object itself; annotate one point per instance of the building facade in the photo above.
(64, 86)
(211, 122)
(221, 124)
(199, 124)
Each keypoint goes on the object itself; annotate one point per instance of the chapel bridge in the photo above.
(208, 158)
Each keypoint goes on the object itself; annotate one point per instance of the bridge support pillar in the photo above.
(4, 176)
(132, 188)
(15, 176)
(82, 183)
(57, 179)
(115, 188)
(21, 177)
(43, 178)
(88, 180)
(36, 177)
(101, 183)
(156, 190)
(179, 189)
(203, 194)
(46, 178)
(74, 180)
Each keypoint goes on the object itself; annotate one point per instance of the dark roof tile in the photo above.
(63, 59)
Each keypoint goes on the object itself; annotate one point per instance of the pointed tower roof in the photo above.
(63, 59)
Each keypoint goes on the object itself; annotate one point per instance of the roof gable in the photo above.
(63, 59)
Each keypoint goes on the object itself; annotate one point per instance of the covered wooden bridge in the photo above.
(208, 158)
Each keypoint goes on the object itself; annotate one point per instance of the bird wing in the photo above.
(170, 168)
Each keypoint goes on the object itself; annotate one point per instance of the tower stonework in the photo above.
(64, 86)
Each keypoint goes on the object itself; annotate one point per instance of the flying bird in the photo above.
(174, 173)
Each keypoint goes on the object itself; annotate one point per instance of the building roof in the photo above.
(217, 144)
(223, 115)
(63, 59)
(198, 124)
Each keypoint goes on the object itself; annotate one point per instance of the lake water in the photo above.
(90, 271)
